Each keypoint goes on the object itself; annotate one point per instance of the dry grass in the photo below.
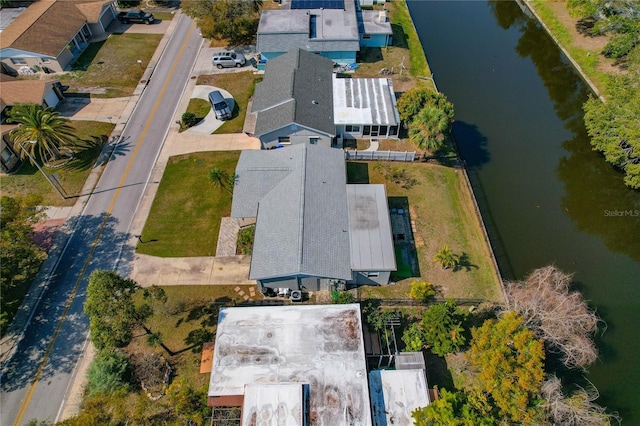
(241, 85)
(440, 204)
(109, 68)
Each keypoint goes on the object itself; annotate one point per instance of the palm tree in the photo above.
(429, 128)
(446, 257)
(42, 131)
(221, 179)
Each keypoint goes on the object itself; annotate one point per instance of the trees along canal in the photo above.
(549, 198)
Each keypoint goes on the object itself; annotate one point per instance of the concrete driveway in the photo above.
(210, 123)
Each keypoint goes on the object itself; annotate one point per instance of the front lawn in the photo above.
(440, 205)
(185, 216)
(92, 136)
(241, 86)
(110, 68)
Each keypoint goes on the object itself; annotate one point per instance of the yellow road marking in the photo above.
(27, 399)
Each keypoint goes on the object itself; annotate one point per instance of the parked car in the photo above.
(219, 105)
(228, 59)
(136, 17)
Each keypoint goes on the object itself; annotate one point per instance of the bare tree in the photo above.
(554, 313)
(578, 409)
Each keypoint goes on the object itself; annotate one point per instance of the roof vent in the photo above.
(314, 102)
(382, 17)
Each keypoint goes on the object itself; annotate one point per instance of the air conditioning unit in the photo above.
(296, 296)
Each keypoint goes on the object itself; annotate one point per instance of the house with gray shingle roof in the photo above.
(301, 100)
(312, 229)
(294, 102)
(334, 30)
(50, 34)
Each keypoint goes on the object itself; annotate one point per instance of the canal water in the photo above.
(546, 197)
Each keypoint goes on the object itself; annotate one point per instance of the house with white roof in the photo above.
(292, 365)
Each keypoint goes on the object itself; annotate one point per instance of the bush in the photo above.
(245, 240)
(620, 45)
(108, 374)
(341, 297)
(189, 119)
(422, 291)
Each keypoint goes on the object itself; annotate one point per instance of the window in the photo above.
(383, 131)
(284, 140)
(312, 26)
(366, 130)
(313, 140)
(352, 128)
(372, 274)
(6, 154)
(366, 36)
(393, 130)
(45, 60)
(18, 61)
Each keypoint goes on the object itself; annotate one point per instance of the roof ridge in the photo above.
(303, 179)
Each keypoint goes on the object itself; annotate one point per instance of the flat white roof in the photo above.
(273, 405)
(364, 101)
(320, 345)
(397, 393)
(370, 238)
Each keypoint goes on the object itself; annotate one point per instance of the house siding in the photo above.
(364, 278)
(375, 40)
(299, 136)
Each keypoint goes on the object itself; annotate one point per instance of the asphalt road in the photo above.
(36, 379)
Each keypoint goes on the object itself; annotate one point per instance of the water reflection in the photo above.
(595, 196)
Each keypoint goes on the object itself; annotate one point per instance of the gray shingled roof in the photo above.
(302, 227)
(301, 76)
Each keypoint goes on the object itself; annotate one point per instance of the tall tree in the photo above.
(20, 257)
(43, 132)
(233, 20)
(440, 330)
(554, 313)
(112, 312)
(455, 409)
(509, 360)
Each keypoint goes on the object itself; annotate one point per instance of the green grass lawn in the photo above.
(109, 68)
(241, 86)
(185, 215)
(440, 204)
(92, 136)
(163, 16)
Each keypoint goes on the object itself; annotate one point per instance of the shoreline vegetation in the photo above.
(603, 53)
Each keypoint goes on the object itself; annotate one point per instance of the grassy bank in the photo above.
(590, 60)
(185, 216)
(92, 135)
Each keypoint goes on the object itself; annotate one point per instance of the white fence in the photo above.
(380, 155)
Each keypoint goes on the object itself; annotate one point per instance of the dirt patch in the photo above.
(584, 41)
(45, 233)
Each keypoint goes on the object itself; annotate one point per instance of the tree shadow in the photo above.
(400, 38)
(438, 373)
(464, 263)
(58, 330)
(86, 153)
(471, 144)
(370, 55)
